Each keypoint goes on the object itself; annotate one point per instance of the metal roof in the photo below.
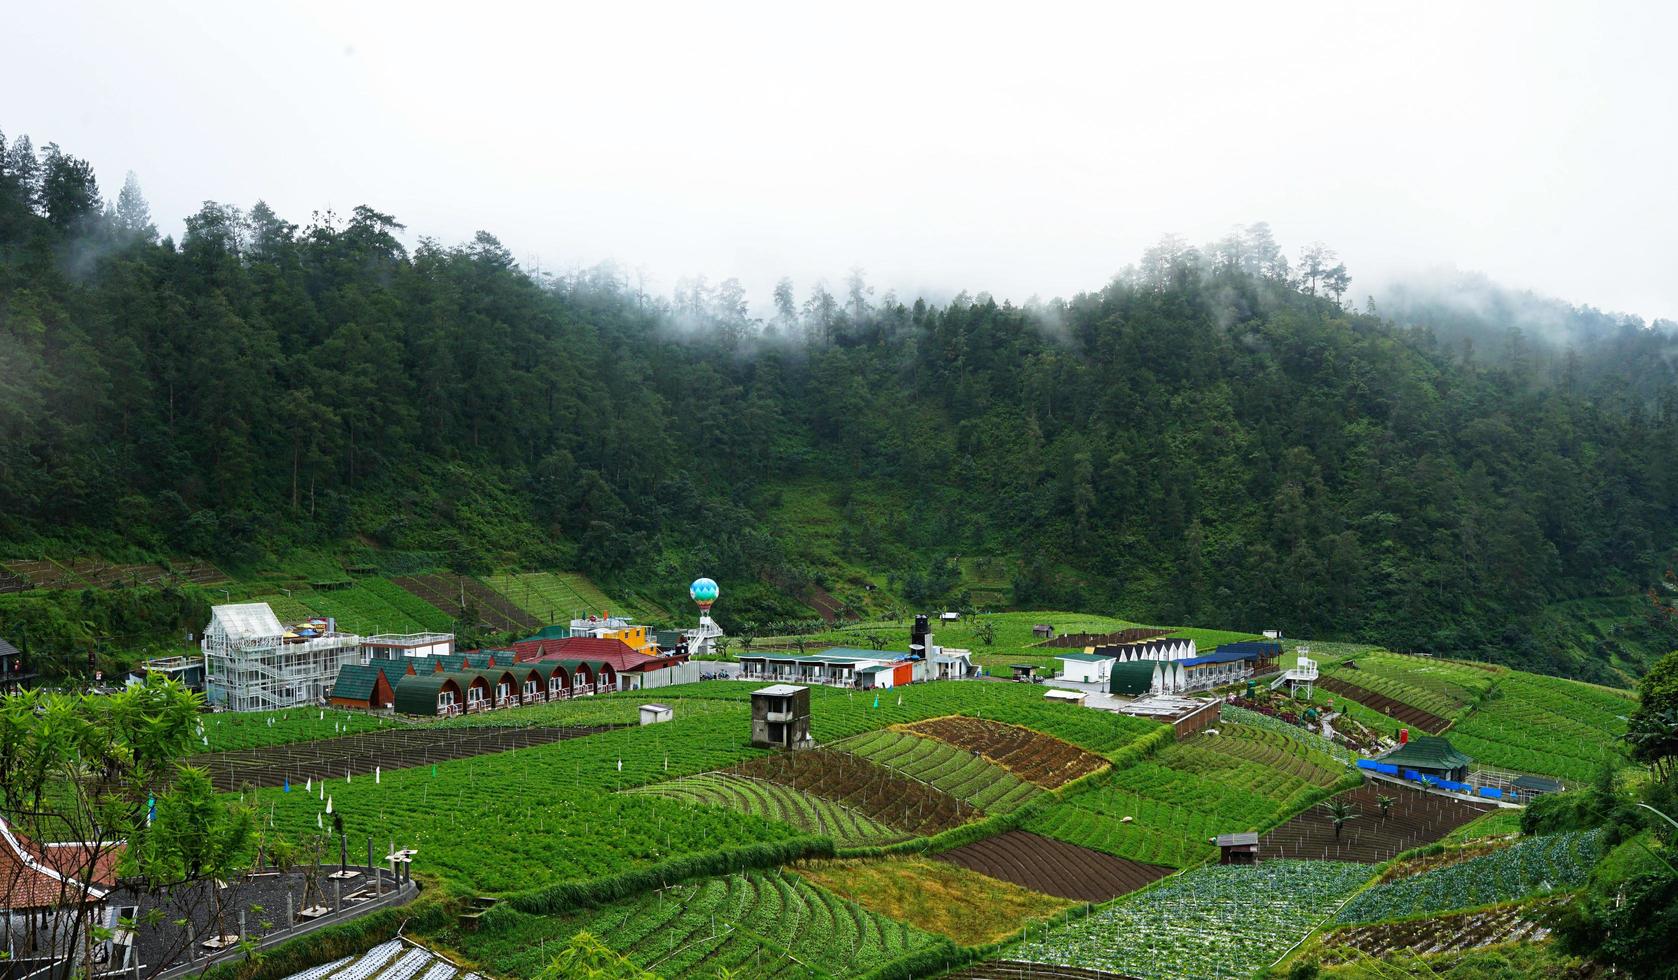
(1083, 658)
(247, 620)
(356, 681)
(1238, 840)
(416, 694)
(1427, 752)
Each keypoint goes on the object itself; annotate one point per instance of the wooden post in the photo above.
(338, 895)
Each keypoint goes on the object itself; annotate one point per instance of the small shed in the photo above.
(1238, 848)
(1431, 756)
(1024, 672)
(1043, 631)
(652, 714)
(1535, 785)
(1087, 667)
(949, 617)
(362, 686)
(781, 717)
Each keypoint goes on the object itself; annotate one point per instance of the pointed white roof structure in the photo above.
(246, 620)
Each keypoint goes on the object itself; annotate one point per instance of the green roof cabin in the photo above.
(1429, 755)
(429, 695)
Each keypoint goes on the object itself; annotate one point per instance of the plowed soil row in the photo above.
(1032, 756)
(1080, 640)
(1440, 934)
(881, 793)
(1416, 818)
(359, 755)
(1011, 970)
(1427, 721)
(1054, 867)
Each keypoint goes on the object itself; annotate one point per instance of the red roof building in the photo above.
(624, 658)
(37, 877)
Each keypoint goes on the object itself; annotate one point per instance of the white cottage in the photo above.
(1087, 667)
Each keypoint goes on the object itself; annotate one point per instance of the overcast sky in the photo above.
(1017, 148)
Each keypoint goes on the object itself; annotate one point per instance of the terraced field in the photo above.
(1416, 818)
(962, 773)
(967, 907)
(1533, 866)
(1242, 779)
(756, 924)
(847, 827)
(1039, 759)
(882, 794)
(453, 593)
(1410, 715)
(1054, 867)
(1441, 934)
(1546, 725)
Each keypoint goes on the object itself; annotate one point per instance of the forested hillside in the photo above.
(1213, 437)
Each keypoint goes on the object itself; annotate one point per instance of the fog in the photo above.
(1020, 150)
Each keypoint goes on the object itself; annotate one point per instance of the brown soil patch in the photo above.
(881, 793)
(1054, 867)
(1413, 716)
(1034, 757)
(1416, 818)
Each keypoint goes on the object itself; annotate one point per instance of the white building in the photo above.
(1087, 667)
(253, 663)
(392, 646)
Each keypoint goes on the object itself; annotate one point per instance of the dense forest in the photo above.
(1214, 437)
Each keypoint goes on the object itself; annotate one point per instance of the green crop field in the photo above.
(1546, 725)
(230, 730)
(1534, 866)
(1246, 778)
(752, 924)
(848, 827)
(1208, 923)
(961, 773)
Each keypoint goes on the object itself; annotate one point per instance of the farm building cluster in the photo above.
(865, 669)
(1168, 666)
(253, 662)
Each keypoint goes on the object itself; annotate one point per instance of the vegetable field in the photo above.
(1534, 866)
(1213, 922)
(754, 924)
(1440, 934)
(882, 794)
(961, 773)
(1545, 725)
(1414, 818)
(847, 827)
(1036, 758)
(969, 908)
(232, 730)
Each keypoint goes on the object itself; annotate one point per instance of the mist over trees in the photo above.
(1214, 436)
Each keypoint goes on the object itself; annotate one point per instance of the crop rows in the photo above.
(882, 794)
(1455, 684)
(231, 730)
(1414, 818)
(959, 772)
(1435, 934)
(1397, 689)
(846, 826)
(1391, 707)
(453, 593)
(1040, 759)
(1212, 922)
(1242, 779)
(1054, 867)
(1545, 725)
(1230, 714)
(702, 928)
(1533, 866)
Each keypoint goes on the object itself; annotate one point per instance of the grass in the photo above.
(1498, 823)
(970, 908)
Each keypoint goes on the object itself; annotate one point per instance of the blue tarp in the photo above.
(1491, 792)
(1369, 764)
(1412, 774)
(1387, 767)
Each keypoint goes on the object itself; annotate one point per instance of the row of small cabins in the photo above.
(533, 672)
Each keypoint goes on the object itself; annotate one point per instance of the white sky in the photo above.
(1018, 148)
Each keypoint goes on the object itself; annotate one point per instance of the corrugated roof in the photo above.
(247, 620)
(1083, 658)
(356, 681)
(1427, 752)
(416, 694)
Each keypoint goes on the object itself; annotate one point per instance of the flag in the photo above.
(151, 809)
(434, 771)
(377, 773)
(309, 784)
(876, 700)
(329, 804)
(318, 821)
(288, 784)
(620, 765)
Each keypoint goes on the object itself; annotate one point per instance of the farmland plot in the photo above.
(881, 794)
(1545, 725)
(962, 773)
(1209, 923)
(970, 908)
(1415, 818)
(847, 827)
(1439, 934)
(1533, 866)
(1039, 759)
(1054, 867)
(755, 924)
(1393, 708)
